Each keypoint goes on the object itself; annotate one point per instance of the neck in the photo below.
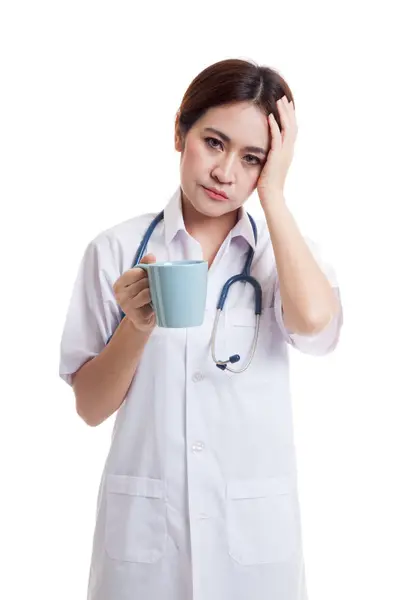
(203, 227)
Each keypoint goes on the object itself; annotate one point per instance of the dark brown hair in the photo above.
(228, 81)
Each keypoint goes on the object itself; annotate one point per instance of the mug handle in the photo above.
(145, 267)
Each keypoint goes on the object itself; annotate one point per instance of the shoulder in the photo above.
(118, 244)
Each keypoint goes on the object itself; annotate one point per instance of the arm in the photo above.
(308, 300)
(101, 384)
(309, 303)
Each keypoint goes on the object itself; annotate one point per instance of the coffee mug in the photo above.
(178, 291)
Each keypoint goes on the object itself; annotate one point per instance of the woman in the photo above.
(198, 497)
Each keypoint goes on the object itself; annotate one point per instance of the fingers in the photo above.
(141, 299)
(149, 258)
(147, 312)
(135, 288)
(284, 115)
(132, 276)
(132, 293)
(276, 139)
(287, 116)
(136, 293)
(128, 278)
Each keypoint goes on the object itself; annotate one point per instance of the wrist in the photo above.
(271, 195)
(132, 328)
(274, 205)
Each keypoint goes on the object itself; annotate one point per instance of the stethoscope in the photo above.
(243, 276)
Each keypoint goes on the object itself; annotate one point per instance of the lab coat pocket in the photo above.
(136, 528)
(261, 520)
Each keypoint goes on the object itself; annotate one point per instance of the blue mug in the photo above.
(178, 291)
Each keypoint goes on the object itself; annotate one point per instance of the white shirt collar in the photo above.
(173, 221)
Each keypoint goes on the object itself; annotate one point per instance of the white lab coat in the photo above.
(198, 498)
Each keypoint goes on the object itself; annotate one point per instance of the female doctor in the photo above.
(198, 497)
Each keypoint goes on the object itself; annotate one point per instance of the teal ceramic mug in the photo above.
(178, 291)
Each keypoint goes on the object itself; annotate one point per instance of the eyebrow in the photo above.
(227, 139)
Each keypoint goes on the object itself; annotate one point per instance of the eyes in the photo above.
(216, 143)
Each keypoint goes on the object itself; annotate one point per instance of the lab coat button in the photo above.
(197, 377)
(198, 447)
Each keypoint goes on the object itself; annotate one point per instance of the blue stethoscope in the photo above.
(244, 276)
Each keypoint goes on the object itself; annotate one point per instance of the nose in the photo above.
(223, 170)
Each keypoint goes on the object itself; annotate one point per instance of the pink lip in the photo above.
(215, 194)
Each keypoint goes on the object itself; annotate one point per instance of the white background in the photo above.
(89, 92)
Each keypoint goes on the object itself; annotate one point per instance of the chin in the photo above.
(212, 208)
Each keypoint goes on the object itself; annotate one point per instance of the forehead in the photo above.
(243, 122)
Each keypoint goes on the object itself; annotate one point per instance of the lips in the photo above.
(215, 194)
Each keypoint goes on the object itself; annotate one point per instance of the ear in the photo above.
(179, 145)
(178, 142)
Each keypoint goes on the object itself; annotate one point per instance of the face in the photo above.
(226, 149)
